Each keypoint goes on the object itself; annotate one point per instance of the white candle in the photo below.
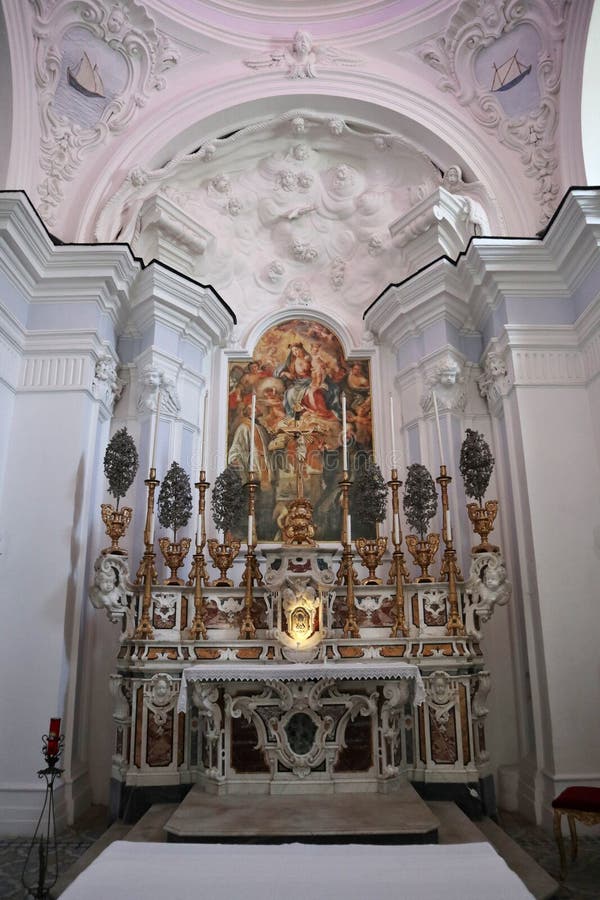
(250, 529)
(393, 427)
(155, 435)
(252, 424)
(344, 446)
(437, 424)
(203, 454)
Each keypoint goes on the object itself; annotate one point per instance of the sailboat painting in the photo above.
(507, 69)
(86, 78)
(92, 74)
(509, 74)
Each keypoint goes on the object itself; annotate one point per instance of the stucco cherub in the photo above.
(302, 56)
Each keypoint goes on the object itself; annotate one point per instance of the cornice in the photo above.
(48, 273)
(191, 308)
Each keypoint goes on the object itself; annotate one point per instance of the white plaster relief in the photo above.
(487, 587)
(548, 367)
(531, 128)
(51, 372)
(311, 216)
(106, 385)
(494, 382)
(135, 54)
(151, 380)
(109, 588)
(160, 697)
(302, 58)
(449, 383)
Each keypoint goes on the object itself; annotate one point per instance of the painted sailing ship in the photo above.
(509, 74)
(85, 78)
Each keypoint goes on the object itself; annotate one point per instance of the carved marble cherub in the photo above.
(488, 587)
(448, 382)
(150, 381)
(108, 591)
(107, 386)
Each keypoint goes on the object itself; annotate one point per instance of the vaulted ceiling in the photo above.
(186, 108)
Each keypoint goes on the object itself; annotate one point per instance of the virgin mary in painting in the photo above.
(298, 372)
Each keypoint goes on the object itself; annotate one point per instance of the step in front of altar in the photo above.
(400, 817)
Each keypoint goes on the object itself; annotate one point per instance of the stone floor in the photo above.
(582, 883)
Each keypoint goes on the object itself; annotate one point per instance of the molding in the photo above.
(124, 30)
(532, 133)
(20, 806)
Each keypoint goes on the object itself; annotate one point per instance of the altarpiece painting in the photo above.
(299, 373)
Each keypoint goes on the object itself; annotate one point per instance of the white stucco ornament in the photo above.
(151, 380)
(109, 591)
(487, 587)
(448, 382)
(302, 57)
(106, 385)
(293, 211)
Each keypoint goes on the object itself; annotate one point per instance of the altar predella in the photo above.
(306, 674)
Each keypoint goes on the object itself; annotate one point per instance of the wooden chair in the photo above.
(582, 803)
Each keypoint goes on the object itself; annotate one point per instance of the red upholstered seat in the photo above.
(581, 797)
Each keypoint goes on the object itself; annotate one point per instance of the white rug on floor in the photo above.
(132, 871)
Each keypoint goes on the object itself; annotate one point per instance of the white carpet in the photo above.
(133, 871)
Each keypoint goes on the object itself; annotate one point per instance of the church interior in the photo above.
(300, 426)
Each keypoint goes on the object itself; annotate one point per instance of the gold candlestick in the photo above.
(198, 628)
(147, 569)
(151, 483)
(398, 570)
(251, 572)
(199, 568)
(449, 565)
(341, 572)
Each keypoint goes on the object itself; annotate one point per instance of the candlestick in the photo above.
(437, 423)
(155, 435)
(393, 427)
(53, 737)
(250, 542)
(203, 453)
(349, 528)
(252, 424)
(344, 445)
(448, 526)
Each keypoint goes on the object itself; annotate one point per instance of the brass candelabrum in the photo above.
(251, 572)
(198, 573)
(455, 626)
(147, 569)
(398, 570)
(346, 571)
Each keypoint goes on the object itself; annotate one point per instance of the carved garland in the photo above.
(125, 28)
(471, 29)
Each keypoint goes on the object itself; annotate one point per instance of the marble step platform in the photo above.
(400, 817)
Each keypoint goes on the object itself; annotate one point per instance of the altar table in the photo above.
(144, 871)
(256, 672)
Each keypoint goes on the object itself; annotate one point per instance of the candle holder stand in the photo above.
(202, 572)
(151, 483)
(341, 576)
(251, 572)
(398, 570)
(198, 628)
(147, 569)
(449, 564)
(43, 846)
(351, 628)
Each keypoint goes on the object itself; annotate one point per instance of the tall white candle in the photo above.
(203, 453)
(252, 424)
(437, 425)
(393, 427)
(344, 445)
(155, 435)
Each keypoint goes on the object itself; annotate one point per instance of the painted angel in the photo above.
(302, 57)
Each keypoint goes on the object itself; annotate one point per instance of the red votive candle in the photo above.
(53, 736)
